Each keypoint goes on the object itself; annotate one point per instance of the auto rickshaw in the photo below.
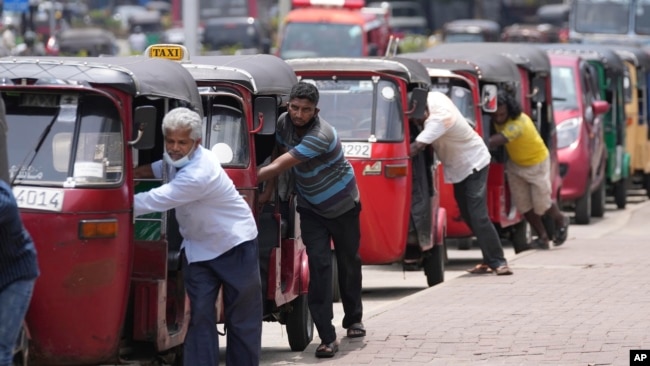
(150, 23)
(82, 42)
(242, 98)
(535, 93)
(464, 80)
(369, 101)
(582, 153)
(637, 100)
(611, 76)
(471, 30)
(77, 126)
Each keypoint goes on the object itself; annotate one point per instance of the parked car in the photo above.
(246, 34)
(580, 136)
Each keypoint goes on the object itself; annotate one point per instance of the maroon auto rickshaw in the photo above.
(76, 129)
(369, 101)
(534, 91)
(466, 80)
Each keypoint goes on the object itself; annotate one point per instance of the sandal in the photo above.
(562, 232)
(327, 350)
(356, 330)
(480, 269)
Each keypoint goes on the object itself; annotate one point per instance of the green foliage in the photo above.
(413, 43)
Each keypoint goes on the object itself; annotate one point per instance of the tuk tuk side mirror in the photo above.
(266, 45)
(489, 98)
(539, 90)
(600, 107)
(418, 103)
(265, 114)
(144, 127)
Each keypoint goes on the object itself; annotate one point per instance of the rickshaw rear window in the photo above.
(84, 145)
(227, 133)
(348, 106)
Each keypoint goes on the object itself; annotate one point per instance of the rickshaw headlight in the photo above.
(568, 132)
(97, 229)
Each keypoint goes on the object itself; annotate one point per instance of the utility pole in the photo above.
(191, 26)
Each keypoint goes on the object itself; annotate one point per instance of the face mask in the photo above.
(180, 162)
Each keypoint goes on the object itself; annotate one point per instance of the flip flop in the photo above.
(562, 232)
(480, 269)
(356, 330)
(327, 350)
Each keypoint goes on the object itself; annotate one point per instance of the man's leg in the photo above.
(201, 346)
(346, 234)
(319, 252)
(14, 302)
(460, 195)
(486, 235)
(242, 297)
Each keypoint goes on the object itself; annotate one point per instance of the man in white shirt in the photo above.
(219, 243)
(465, 159)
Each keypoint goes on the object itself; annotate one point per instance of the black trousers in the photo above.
(317, 233)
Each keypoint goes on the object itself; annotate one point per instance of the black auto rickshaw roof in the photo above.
(261, 74)
(639, 57)
(487, 67)
(410, 70)
(134, 75)
(596, 52)
(527, 56)
(556, 14)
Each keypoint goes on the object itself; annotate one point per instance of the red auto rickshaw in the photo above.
(242, 98)
(369, 101)
(77, 126)
(534, 91)
(465, 80)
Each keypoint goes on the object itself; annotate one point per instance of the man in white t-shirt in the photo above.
(465, 159)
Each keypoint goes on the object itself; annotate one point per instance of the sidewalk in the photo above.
(584, 303)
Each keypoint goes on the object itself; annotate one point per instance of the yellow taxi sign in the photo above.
(172, 52)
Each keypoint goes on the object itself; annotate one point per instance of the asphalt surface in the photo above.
(586, 302)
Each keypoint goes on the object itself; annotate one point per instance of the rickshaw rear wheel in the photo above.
(620, 193)
(521, 236)
(583, 206)
(433, 263)
(598, 200)
(300, 325)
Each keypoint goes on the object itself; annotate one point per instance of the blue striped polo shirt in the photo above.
(324, 179)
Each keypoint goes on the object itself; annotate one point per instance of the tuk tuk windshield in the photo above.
(642, 15)
(565, 96)
(348, 106)
(323, 40)
(80, 137)
(602, 16)
(464, 37)
(226, 131)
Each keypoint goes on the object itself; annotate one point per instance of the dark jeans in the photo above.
(471, 197)
(238, 271)
(316, 233)
(14, 302)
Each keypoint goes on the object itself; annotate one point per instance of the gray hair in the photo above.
(182, 118)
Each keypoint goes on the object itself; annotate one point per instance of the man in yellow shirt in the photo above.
(528, 168)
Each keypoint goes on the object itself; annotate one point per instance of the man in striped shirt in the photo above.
(328, 203)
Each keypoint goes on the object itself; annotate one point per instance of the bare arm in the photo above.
(497, 140)
(416, 148)
(277, 166)
(143, 171)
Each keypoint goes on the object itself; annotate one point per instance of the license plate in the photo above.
(357, 149)
(48, 199)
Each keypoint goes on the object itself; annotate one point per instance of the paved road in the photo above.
(584, 303)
